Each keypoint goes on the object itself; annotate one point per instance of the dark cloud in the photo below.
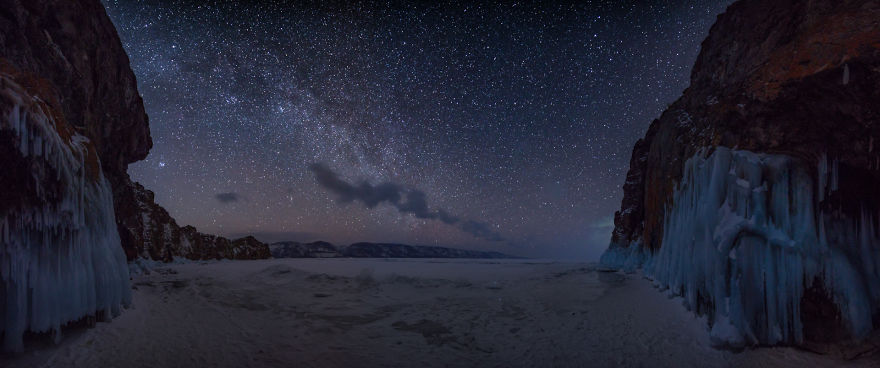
(416, 205)
(227, 197)
(480, 230)
(445, 217)
(365, 192)
(410, 201)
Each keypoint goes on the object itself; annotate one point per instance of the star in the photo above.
(519, 117)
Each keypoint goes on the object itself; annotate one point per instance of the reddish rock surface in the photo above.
(800, 78)
(148, 231)
(770, 77)
(67, 53)
(73, 47)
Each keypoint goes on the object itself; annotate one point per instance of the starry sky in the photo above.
(503, 127)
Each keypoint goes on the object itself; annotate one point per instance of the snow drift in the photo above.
(60, 256)
(746, 235)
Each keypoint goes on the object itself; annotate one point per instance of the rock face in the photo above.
(60, 257)
(321, 249)
(794, 85)
(148, 231)
(70, 117)
(74, 59)
(71, 120)
(73, 48)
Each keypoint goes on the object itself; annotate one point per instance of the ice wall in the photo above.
(627, 258)
(60, 256)
(744, 237)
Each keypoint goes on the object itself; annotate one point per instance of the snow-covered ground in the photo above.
(400, 313)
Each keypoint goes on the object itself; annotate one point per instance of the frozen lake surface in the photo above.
(401, 313)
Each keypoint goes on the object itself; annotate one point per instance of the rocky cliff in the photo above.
(765, 174)
(70, 117)
(73, 50)
(71, 120)
(148, 231)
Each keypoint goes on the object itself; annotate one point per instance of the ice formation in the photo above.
(626, 258)
(60, 256)
(744, 238)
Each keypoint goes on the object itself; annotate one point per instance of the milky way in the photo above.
(518, 117)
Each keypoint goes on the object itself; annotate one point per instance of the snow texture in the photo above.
(60, 260)
(358, 312)
(745, 237)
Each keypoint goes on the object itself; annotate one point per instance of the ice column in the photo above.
(60, 256)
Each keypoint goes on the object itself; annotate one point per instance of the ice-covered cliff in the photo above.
(72, 48)
(71, 120)
(755, 195)
(60, 257)
(70, 116)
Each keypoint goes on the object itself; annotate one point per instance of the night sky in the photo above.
(504, 127)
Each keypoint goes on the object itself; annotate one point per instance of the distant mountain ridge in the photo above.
(292, 249)
(322, 249)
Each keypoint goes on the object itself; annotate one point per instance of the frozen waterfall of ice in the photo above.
(61, 259)
(744, 238)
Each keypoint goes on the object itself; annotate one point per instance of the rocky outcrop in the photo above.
(148, 231)
(70, 117)
(60, 258)
(71, 120)
(792, 77)
(73, 57)
(798, 80)
(72, 49)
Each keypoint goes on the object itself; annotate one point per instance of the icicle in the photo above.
(62, 260)
(834, 174)
(822, 176)
(743, 235)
